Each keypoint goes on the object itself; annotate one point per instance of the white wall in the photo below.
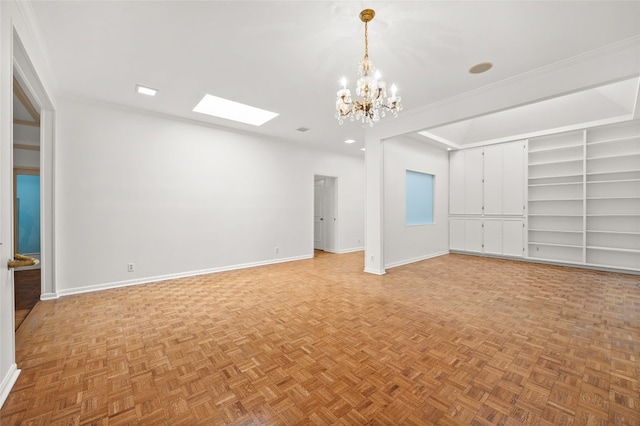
(175, 197)
(405, 244)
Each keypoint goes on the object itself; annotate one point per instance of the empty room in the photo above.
(319, 212)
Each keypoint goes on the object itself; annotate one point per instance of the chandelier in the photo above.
(373, 92)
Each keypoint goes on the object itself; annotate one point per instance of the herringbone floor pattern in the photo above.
(452, 340)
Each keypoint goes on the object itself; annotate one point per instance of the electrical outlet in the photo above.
(131, 267)
(277, 250)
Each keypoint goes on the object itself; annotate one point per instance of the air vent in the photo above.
(302, 129)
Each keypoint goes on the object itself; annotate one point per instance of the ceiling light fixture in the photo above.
(373, 91)
(146, 90)
(349, 141)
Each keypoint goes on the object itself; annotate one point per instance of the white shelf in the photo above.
(622, 197)
(555, 215)
(556, 184)
(609, 157)
(628, 138)
(612, 181)
(564, 231)
(613, 215)
(596, 231)
(555, 199)
(536, 243)
(548, 163)
(622, 250)
(558, 175)
(532, 151)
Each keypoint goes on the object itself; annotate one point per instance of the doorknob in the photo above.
(22, 260)
(322, 218)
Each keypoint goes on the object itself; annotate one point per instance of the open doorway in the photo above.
(325, 223)
(26, 199)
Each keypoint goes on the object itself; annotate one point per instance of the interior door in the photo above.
(318, 215)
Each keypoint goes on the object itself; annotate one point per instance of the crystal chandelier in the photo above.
(373, 92)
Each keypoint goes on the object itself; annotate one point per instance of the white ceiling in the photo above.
(288, 56)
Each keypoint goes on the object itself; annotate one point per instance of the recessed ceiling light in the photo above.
(363, 149)
(230, 110)
(146, 90)
(480, 68)
(350, 141)
(449, 149)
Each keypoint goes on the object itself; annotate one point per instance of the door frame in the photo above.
(25, 73)
(331, 223)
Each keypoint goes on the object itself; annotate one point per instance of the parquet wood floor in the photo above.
(451, 340)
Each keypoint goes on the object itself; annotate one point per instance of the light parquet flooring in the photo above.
(451, 340)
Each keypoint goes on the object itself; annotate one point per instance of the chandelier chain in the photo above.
(366, 39)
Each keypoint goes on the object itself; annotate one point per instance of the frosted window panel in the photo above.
(28, 199)
(419, 198)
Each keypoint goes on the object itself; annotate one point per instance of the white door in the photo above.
(318, 215)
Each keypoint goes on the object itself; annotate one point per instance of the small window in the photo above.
(419, 199)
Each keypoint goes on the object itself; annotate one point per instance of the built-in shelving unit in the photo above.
(556, 197)
(613, 196)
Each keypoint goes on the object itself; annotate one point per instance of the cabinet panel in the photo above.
(456, 182)
(493, 180)
(513, 238)
(473, 235)
(513, 156)
(493, 236)
(473, 181)
(456, 234)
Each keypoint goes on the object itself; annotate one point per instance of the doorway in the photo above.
(27, 196)
(325, 223)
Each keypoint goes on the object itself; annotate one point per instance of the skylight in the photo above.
(146, 90)
(230, 110)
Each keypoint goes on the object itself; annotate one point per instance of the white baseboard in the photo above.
(147, 280)
(349, 250)
(7, 382)
(375, 271)
(415, 259)
(48, 296)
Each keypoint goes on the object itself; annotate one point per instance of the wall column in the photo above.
(373, 249)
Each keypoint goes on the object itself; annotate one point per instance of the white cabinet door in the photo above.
(473, 235)
(456, 182)
(456, 234)
(493, 236)
(513, 156)
(473, 168)
(513, 237)
(493, 180)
